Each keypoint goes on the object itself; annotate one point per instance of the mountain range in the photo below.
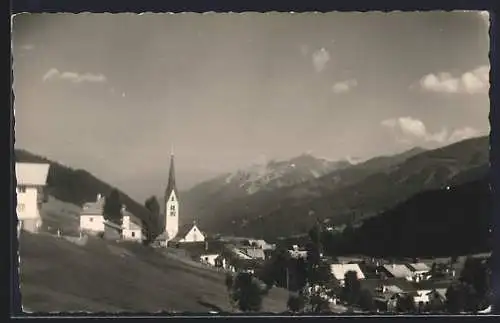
(284, 198)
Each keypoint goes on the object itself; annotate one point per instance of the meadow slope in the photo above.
(57, 275)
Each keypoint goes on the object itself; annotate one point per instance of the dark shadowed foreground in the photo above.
(58, 275)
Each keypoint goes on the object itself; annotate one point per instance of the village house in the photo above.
(420, 271)
(339, 271)
(132, 228)
(386, 297)
(188, 233)
(296, 252)
(437, 298)
(92, 216)
(213, 259)
(92, 222)
(395, 271)
(262, 244)
(31, 179)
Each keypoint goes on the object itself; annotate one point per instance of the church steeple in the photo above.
(171, 177)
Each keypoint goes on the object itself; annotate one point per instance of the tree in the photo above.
(300, 273)
(295, 303)
(322, 275)
(113, 207)
(475, 285)
(455, 298)
(152, 205)
(405, 304)
(319, 304)
(275, 270)
(352, 287)
(154, 212)
(366, 301)
(229, 281)
(246, 293)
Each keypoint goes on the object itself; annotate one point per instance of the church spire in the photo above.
(171, 177)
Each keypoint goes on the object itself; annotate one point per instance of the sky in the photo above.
(115, 94)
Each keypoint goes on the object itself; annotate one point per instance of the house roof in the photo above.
(339, 270)
(93, 208)
(32, 173)
(135, 222)
(112, 225)
(388, 293)
(420, 266)
(254, 253)
(184, 230)
(398, 270)
(373, 283)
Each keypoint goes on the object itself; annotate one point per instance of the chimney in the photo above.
(98, 197)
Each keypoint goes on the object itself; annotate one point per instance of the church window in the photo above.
(172, 199)
(91, 219)
(133, 234)
(172, 213)
(172, 207)
(22, 189)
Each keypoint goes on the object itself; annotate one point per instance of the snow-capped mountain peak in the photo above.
(275, 174)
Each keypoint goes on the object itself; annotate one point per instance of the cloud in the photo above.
(471, 82)
(408, 130)
(344, 86)
(54, 74)
(320, 58)
(463, 133)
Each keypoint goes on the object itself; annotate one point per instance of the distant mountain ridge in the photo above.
(256, 179)
(341, 195)
(77, 186)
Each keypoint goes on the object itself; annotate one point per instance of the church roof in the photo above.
(184, 230)
(171, 179)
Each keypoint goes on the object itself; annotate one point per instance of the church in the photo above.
(171, 213)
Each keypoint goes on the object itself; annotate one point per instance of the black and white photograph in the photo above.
(253, 163)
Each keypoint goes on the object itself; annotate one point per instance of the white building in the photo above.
(131, 226)
(419, 271)
(211, 259)
(92, 216)
(339, 270)
(171, 210)
(31, 178)
(189, 233)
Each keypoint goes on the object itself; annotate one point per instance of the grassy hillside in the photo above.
(58, 215)
(78, 186)
(59, 275)
(433, 223)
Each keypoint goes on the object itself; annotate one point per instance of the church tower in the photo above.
(171, 203)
